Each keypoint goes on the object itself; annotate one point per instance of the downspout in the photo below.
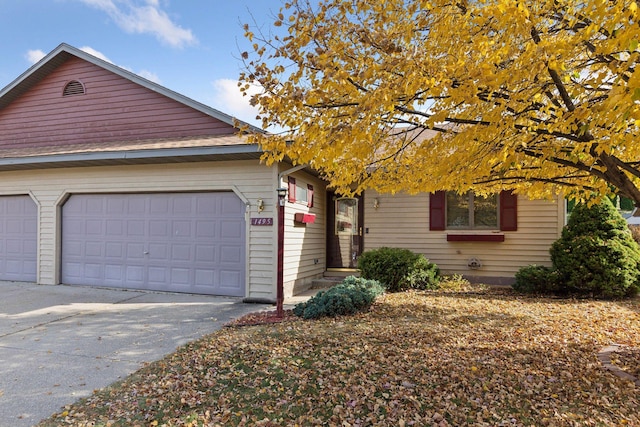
(280, 267)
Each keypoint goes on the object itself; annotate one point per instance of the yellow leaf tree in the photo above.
(415, 95)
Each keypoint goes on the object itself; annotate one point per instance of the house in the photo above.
(108, 179)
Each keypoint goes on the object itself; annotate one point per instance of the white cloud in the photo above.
(150, 76)
(34, 56)
(145, 17)
(97, 54)
(229, 99)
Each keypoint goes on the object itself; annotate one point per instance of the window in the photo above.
(451, 211)
(301, 193)
(470, 211)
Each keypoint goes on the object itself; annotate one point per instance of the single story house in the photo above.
(108, 179)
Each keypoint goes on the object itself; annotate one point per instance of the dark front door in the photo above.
(344, 232)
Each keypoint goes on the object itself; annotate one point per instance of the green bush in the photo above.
(352, 295)
(635, 232)
(596, 254)
(399, 269)
(534, 279)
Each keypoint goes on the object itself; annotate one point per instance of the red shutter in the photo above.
(310, 195)
(292, 189)
(508, 211)
(437, 205)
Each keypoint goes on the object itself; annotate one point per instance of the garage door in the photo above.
(18, 238)
(177, 242)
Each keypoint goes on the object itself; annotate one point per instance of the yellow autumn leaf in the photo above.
(407, 107)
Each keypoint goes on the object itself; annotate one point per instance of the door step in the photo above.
(341, 272)
(325, 282)
(333, 277)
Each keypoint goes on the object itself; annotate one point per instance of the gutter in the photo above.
(158, 153)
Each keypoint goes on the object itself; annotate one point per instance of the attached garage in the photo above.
(176, 242)
(18, 238)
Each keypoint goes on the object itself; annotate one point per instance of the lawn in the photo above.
(481, 358)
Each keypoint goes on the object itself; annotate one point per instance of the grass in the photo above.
(472, 357)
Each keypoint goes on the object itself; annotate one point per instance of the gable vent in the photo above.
(74, 87)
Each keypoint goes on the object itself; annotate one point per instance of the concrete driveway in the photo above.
(59, 343)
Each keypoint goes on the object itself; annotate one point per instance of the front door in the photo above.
(344, 230)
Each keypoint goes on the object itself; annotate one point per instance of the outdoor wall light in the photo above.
(376, 203)
(260, 205)
(282, 193)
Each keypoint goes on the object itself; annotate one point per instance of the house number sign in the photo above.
(262, 221)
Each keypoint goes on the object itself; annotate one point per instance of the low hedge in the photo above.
(352, 295)
(399, 269)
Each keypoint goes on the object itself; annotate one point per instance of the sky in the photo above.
(192, 47)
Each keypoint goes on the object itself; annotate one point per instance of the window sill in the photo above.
(475, 237)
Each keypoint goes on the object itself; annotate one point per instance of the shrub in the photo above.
(534, 279)
(399, 269)
(352, 295)
(635, 232)
(596, 254)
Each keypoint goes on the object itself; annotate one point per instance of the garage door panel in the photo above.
(113, 273)
(168, 242)
(94, 227)
(134, 276)
(114, 250)
(136, 205)
(206, 228)
(158, 229)
(205, 253)
(94, 249)
(136, 227)
(230, 254)
(231, 229)
(159, 206)
(114, 227)
(181, 229)
(18, 238)
(158, 252)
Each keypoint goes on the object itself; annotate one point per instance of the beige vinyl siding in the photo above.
(403, 221)
(305, 253)
(248, 179)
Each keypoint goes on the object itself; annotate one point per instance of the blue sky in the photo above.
(189, 46)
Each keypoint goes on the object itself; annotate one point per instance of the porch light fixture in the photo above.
(376, 203)
(282, 193)
(260, 205)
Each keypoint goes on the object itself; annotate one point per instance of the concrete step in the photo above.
(341, 272)
(325, 282)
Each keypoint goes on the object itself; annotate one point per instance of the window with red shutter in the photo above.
(467, 211)
(508, 211)
(310, 195)
(437, 210)
(292, 189)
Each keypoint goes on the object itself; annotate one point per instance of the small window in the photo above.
(74, 87)
(300, 193)
(471, 211)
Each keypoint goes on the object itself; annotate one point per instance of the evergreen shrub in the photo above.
(399, 269)
(536, 279)
(352, 295)
(595, 256)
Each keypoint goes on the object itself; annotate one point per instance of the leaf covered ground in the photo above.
(488, 358)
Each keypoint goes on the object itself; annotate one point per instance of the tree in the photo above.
(418, 95)
(596, 254)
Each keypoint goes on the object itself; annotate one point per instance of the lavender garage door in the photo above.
(176, 242)
(18, 238)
